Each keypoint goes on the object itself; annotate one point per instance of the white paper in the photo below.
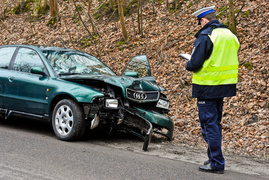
(186, 56)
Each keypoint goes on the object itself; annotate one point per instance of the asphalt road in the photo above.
(29, 150)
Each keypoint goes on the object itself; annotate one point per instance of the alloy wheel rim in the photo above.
(64, 120)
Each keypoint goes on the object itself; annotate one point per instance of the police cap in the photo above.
(204, 11)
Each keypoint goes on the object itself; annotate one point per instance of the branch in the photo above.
(240, 9)
(81, 19)
(90, 19)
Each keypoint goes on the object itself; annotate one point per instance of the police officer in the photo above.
(214, 63)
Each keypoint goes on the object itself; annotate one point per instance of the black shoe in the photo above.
(207, 162)
(208, 168)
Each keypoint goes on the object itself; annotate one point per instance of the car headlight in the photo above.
(163, 104)
(112, 103)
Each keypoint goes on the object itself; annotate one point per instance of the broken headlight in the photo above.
(164, 104)
(111, 103)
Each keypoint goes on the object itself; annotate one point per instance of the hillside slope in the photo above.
(166, 35)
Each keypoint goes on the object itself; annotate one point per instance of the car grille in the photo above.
(142, 95)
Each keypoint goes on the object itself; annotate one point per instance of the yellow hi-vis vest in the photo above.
(222, 66)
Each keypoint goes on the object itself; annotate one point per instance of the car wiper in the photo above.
(68, 73)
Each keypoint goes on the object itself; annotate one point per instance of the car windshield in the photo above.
(70, 62)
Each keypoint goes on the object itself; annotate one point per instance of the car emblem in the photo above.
(139, 96)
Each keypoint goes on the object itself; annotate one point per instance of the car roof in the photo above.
(55, 48)
(41, 47)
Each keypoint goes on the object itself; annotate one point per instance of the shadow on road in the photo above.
(96, 135)
(28, 125)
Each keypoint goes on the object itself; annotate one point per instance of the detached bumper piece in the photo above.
(162, 124)
(139, 119)
(137, 123)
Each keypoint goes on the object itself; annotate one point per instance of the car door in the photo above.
(6, 54)
(26, 92)
(139, 66)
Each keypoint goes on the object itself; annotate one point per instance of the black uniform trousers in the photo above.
(210, 114)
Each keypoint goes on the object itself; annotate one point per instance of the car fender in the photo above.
(80, 93)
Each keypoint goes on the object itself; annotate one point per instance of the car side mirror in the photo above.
(131, 74)
(38, 70)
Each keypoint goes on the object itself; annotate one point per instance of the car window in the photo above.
(140, 65)
(67, 63)
(5, 56)
(26, 59)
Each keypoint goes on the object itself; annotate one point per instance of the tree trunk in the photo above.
(44, 4)
(53, 4)
(141, 23)
(2, 9)
(39, 7)
(124, 2)
(167, 4)
(122, 21)
(21, 7)
(138, 16)
(80, 18)
(232, 21)
(112, 4)
(89, 14)
(153, 7)
(175, 5)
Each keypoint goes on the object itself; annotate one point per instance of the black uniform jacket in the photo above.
(203, 47)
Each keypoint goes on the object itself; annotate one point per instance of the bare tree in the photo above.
(2, 9)
(124, 2)
(153, 6)
(141, 20)
(94, 29)
(39, 7)
(232, 20)
(80, 18)
(21, 6)
(122, 21)
(138, 16)
(112, 3)
(54, 13)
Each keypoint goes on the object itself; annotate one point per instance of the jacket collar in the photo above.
(208, 28)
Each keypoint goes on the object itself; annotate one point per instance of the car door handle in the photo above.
(11, 79)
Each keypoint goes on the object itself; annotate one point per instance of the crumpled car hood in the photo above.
(119, 81)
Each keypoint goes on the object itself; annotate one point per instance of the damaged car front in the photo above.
(132, 101)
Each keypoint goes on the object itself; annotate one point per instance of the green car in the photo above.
(76, 92)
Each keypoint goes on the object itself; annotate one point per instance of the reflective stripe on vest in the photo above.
(222, 66)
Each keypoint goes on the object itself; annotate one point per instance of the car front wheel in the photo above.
(67, 120)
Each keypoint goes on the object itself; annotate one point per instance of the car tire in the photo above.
(2, 117)
(67, 120)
